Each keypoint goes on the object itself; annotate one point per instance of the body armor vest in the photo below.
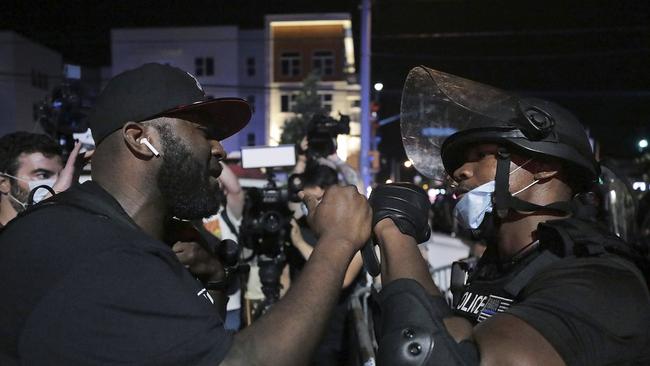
(489, 287)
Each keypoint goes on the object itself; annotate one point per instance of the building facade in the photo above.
(300, 44)
(28, 73)
(264, 66)
(224, 59)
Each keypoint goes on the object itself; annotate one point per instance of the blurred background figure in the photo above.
(225, 225)
(30, 160)
(316, 174)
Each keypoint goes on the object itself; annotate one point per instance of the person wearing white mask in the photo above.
(553, 287)
(27, 161)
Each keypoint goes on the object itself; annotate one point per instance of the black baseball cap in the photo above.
(154, 90)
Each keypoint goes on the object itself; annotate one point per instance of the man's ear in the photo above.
(546, 170)
(135, 134)
(5, 185)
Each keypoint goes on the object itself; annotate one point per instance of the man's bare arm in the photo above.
(401, 258)
(305, 250)
(290, 331)
(505, 339)
(502, 340)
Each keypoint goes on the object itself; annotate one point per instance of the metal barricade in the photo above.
(361, 314)
(442, 277)
(362, 319)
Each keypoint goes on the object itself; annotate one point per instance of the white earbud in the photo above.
(149, 146)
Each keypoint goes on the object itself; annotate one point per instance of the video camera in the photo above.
(266, 223)
(322, 131)
(266, 215)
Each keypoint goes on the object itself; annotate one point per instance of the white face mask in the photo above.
(40, 194)
(304, 209)
(470, 210)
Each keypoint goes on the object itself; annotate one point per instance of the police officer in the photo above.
(552, 288)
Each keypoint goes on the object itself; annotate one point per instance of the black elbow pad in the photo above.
(412, 331)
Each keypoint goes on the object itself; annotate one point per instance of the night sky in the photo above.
(593, 59)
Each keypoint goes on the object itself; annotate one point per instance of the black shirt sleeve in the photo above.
(126, 306)
(592, 310)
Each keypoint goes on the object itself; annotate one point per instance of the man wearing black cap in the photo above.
(95, 284)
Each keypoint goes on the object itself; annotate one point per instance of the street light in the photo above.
(379, 86)
(643, 143)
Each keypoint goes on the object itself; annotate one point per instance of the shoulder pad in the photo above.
(409, 346)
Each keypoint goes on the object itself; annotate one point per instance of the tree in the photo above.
(306, 105)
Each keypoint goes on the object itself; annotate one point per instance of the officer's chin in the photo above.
(485, 232)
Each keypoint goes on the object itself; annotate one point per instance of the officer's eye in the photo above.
(484, 153)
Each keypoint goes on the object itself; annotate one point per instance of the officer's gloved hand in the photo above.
(404, 203)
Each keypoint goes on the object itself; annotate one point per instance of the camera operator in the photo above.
(316, 179)
(553, 288)
(334, 346)
(348, 175)
(95, 283)
(30, 160)
(225, 224)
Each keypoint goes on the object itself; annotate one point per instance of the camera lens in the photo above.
(272, 222)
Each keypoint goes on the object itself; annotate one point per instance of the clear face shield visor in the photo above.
(437, 106)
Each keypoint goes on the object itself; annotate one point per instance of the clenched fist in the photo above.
(202, 264)
(343, 215)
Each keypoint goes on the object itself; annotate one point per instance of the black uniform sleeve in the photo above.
(127, 306)
(592, 310)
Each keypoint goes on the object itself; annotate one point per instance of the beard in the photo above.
(184, 182)
(19, 194)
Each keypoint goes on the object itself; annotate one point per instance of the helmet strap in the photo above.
(502, 194)
(503, 200)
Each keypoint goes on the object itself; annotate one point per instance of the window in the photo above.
(36, 112)
(198, 66)
(204, 66)
(251, 101)
(323, 62)
(287, 102)
(39, 80)
(250, 139)
(250, 66)
(326, 101)
(290, 64)
(209, 66)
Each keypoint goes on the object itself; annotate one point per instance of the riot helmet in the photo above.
(441, 114)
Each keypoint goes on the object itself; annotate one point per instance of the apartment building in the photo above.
(300, 44)
(28, 73)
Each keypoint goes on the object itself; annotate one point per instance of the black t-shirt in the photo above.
(89, 288)
(594, 310)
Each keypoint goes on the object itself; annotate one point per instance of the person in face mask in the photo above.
(474, 204)
(30, 160)
(545, 288)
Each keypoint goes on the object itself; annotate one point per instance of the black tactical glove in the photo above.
(404, 203)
